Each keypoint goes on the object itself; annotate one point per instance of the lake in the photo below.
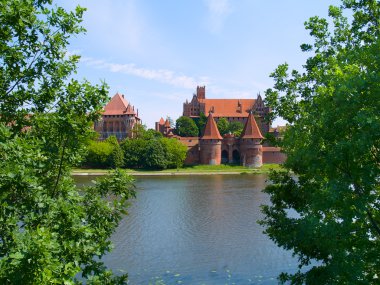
(197, 230)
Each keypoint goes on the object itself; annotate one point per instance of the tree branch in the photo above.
(60, 166)
(373, 222)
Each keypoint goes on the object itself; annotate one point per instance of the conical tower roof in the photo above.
(251, 130)
(118, 106)
(167, 123)
(211, 131)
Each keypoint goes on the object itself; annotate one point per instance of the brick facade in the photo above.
(118, 119)
(245, 150)
(211, 148)
(232, 109)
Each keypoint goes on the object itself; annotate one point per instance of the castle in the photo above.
(232, 109)
(118, 119)
(211, 147)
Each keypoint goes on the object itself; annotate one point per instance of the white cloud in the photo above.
(117, 24)
(160, 75)
(218, 12)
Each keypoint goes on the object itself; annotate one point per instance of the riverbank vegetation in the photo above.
(50, 233)
(148, 150)
(330, 214)
(188, 170)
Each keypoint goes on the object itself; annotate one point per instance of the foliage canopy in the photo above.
(49, 231)
(186, 127)
(223, 126)
(201, 123)
(152, 151)
(328, 210)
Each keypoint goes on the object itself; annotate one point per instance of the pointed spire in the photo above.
(162, 121)
(251, 130)
(167, 123)
(211, 131)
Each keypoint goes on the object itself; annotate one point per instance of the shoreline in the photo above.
(186, 171)
(170, 173)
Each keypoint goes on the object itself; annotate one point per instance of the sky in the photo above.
(157, 52)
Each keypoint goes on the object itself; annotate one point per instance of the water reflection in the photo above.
(197, 230)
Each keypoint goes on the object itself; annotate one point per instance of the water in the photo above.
(197, 230)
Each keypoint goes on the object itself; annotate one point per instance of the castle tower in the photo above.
(166, 127)
(250, 144)
(201, 92)
(159, 126)
(118, 119)
(210, 143)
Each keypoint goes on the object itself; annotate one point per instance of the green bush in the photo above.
(134, 152)
(98, 155)
(150, 151)
(116, 158)
(155, 155)
(175, 152)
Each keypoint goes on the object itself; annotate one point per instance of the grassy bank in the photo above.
(188, 170)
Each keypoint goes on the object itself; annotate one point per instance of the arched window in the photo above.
(236, 156)
(224, 156)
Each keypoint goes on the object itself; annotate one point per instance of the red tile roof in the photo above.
(167, 123)
(211, 131)
(118, 106)
(228, 107)
(161, 122)
(251, 130)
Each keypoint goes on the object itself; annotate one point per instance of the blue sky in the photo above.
(157, 52)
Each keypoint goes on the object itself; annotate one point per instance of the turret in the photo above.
(250, 143)
(201, 92)
(211, 143)
(167, 127)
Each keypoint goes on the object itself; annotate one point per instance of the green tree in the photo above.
(236, 128)
(175, 152)
(171, 122)
(327, 210)
(116, 158)
(49, 231)
(223, 126)
(186, 127)
(138, 131)
(98, 154)
(201, 123)
(134, 152)
(151, 134)
(155, 155)
(153, 152)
